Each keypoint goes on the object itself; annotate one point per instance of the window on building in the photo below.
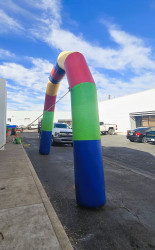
(9, 119)
(145, 121)
(138, 121)
(151, 120)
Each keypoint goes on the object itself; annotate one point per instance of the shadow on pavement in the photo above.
(128, 219)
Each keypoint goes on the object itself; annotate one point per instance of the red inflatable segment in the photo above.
(77, 70)
(49, 103)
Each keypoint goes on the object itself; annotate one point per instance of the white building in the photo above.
(131, 111)
(24, 118)
(128, 112)
(3, 95)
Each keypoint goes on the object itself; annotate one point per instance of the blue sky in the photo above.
(117, 38)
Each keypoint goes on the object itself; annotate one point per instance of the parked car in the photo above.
(22, 126)
(138, 134)
(61, 133)
(106, 128)
(33, 126)
(150, 135)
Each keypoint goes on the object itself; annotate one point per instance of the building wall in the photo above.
(111, 111)
(2, 112)
(26, 117)
(117, 110)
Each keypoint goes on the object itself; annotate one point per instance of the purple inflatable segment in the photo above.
(49, 101)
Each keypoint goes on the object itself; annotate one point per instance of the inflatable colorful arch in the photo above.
(88, 164)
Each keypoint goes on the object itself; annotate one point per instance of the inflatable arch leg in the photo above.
(88, 164)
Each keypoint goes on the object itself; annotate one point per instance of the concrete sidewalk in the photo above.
(27, 218)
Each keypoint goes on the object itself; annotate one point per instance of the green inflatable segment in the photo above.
(47, 122)
(85, 119)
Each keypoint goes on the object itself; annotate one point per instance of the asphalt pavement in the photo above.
(127, 221)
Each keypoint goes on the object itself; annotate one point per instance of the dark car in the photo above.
(150, 135)
(138, 134)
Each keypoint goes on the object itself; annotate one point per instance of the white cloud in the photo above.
(26, 86)
(41, 65)
(18, 97)
(24, 99)
(50, 14)
(117, 87)
(30, 85)
(54, 6)
(7, 23)
(9, 4)
(35, 77)
(6, 54)
(10, 86)
(130, 52)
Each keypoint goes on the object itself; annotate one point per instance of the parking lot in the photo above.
(127, 221)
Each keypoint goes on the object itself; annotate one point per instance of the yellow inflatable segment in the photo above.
(62, 57)
(52, 89)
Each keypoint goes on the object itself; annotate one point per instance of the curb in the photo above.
(57, 226)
